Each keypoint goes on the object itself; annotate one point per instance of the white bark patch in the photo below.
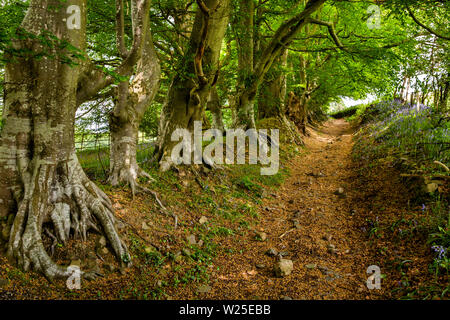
(127, 140)
(133, 173)
(45, 130)
(61, 218)
(8, 158)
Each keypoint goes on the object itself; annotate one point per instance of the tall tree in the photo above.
(131, 102)
(198, 72)
(216, 112)
(245, 112)
(41, 181)
(281, 38)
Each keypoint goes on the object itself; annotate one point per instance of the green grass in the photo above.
(418, 134)
(96, 162)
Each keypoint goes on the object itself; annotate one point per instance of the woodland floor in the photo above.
(325, 235)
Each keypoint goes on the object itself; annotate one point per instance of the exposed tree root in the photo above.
(130, 175)
(160, 204)
(442, 165)
(62, 195)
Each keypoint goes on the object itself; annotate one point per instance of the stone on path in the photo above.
(331, 248)
(262, 236)
(272, 252)
(204, 289)
(191, 240)
(283, 268)
(339, 191)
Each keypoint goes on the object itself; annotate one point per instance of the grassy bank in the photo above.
(412, 144)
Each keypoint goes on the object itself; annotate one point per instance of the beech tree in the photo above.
(281, 38)
(299, 55)
(216, 111)
(131, 101)
(41, 181)
(197, 74)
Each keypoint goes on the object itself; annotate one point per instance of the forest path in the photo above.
(310, 223)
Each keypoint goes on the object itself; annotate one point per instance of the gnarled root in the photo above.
(128, 175)
(62, 195)
(160, 204)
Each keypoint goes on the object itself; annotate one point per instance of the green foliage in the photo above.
(12, 13)
(415, 131)
(348, 112)
(440, 244)
(246, 183)
(150, 121)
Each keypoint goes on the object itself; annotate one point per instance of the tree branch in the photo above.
(424, 26)
(331, 31)
(95, 79)
(201, 47)
(282, 38)
(120, 29)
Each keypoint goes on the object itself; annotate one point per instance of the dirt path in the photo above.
(309, 224)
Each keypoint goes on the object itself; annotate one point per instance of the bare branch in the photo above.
(331, 31)
(94, 79)
(282, 38)
(120, 29)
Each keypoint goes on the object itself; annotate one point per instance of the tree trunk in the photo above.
(244, 106)
(190, 89)
(296, 112)
(270, 102)
(443, 101)
(131, 103)
(272, 96)
(245, 109)
(216, 111)
(42, 185)
(282, 38)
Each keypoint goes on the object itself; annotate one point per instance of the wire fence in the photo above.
(93, 151)
(88, 141)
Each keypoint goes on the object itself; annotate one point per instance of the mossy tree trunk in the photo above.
(42, 185)
(132, 100)
(281, 39)
(272, 95)
(244, 115)
(216, 111)
(190, 88)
